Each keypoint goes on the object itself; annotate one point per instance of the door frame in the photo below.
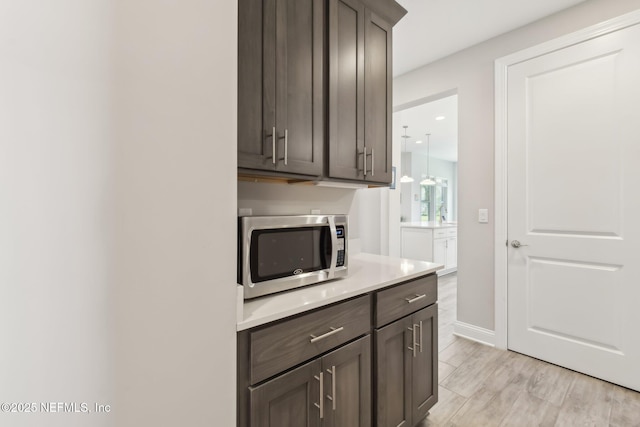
(500, 150)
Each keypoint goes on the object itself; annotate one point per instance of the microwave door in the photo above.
(285, 253)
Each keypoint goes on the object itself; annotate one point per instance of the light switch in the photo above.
(483, 216)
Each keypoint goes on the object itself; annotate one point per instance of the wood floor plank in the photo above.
(459, 351)
(444, 370)
(515, 369)
(486, 408)
(448, 405)
(445, 336)
(550, 382)
(588, 402)
(446, 317)
(625, 407)
(471, 374)
(531, 411)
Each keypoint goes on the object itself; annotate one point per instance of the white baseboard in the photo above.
(474, 333)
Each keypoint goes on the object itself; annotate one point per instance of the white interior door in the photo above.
(573, 132)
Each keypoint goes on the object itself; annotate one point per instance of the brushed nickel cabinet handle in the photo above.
(420, 336)
(321, 404)
(273, 145)
(334, 380)
(364, 160)
(364, 155)
(373, 160)
(286, 146)
(332, 397)
(326, 335)
(413, 340)
(416, 298)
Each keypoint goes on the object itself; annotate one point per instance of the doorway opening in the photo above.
(426, 136)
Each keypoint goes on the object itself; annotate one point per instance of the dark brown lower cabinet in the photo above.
(287, 400)
(368, 361)
(330, 391)
(406, 368)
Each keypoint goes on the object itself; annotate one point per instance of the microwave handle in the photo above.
(334, 246)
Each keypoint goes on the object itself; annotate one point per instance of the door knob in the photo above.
(516, 244)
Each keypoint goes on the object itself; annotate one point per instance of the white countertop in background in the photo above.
(429, 224)
(367, 272)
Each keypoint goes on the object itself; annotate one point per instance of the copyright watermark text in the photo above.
(55, 407)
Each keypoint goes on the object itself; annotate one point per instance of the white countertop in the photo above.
(367, 272)
(428, 224)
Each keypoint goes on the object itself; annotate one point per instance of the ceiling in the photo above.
(433, 29)
(443, 141)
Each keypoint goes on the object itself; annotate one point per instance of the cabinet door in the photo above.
(280, 78)
(347, 387)
(256, 22)
(299, 115)
(417, 243)
(288, 400)
(378, 83)
(440, 251)
(424, 385)
(452, 252)
(346, 89)
(393, 374)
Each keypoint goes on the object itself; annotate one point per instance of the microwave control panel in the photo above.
(341, 245)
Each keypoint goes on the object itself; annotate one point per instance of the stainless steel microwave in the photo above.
(277, 253)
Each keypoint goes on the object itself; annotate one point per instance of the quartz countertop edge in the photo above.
(367, 273)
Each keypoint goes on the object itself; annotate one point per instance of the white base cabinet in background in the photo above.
(439, 245)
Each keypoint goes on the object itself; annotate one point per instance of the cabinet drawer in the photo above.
(404, 299)
(290, 342)
(452, 232)
(439, 233)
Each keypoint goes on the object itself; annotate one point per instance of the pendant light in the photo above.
(428, 180)
(405, 178)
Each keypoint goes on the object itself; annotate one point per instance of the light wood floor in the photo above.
(483, 386)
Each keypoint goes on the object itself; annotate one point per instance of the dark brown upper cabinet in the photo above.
(315, 87)
(360, 89)
(280, 86)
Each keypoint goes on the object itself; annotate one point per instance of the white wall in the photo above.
(117, 210)
(299, 199)
(471, 72)
(175, 212)
(56, 195)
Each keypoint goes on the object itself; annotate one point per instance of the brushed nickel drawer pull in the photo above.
(328, 334)
(416, 298)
